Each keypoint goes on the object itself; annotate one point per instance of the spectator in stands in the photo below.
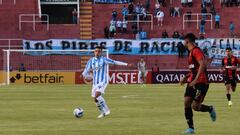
(232, 28)
(130, 8)
(204, 12)
(202, 26)
(181, 36)
(160, 16)
(112, 30)
(201, 37)
(212, 10)
(22, 68)
(143, 12)
(147, 6)
(119, 26)
(114, 15)
(217, 21)
(234, 2)
(161, 2)
(227, 3)
(137, 36)
(138, 8)
(181, 49)
(74, 16)
(164, 34)
(189, 18)
(176, 11)
(155, 68)
(171, 11)
(190, 3)
(106, 32)
(157, 8)
(143, 34)
(124, 26)
(134, 28)
(184, 2)
(125, 12)
(175, 34)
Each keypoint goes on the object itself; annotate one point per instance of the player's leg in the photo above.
(228, 92)
(188, 110)
(201, 91)
(100, 102)
(233, 85)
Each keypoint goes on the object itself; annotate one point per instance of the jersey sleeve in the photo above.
(86, 72)
(198, 54)
(114, 62)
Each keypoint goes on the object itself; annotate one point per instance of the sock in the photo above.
(189, 117)
(205, 108)
(103, 104)
(100, 107)
(228, 97)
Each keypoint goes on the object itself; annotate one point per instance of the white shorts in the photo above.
(142, 73)
(99, 88)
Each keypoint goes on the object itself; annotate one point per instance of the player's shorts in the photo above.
(142, 73)
(233, 82)
(198, 93)
(99, 88)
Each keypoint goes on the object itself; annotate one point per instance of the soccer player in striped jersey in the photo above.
(99, 65)
(229, 69)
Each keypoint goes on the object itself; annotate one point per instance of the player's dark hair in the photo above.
(98, 47)
(191, 37)
(228, 49)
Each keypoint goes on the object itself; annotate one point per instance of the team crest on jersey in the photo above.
(191, 66)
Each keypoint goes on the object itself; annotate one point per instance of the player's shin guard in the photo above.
(205, 108)
(189, 117)
(101, 102)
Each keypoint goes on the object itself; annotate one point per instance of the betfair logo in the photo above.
(40, 78)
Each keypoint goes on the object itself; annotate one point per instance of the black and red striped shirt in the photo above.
(196, 55)
(227, 63)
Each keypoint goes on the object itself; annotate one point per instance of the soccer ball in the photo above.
(78, 112)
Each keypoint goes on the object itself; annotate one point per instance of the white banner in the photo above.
(116, 46)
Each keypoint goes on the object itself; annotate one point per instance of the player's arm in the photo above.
(138, 66)
(86, 72)
(114, 62)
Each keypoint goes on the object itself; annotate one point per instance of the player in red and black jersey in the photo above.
(229, 70)
(197, 83)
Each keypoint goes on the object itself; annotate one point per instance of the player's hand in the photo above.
(234, 68)
(182, 81)
(221, 70)
(192, 84)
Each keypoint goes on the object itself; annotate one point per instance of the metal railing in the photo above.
(138, 21)
(199, 18)
(1, 2)
(34, 20)
(9, 43)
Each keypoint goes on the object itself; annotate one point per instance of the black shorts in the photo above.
(198, 93)
(233, 82)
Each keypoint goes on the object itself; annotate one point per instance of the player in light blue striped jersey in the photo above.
(98, 65)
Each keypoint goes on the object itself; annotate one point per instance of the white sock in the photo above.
(103, 104)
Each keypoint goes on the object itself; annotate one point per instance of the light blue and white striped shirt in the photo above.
(99, 67)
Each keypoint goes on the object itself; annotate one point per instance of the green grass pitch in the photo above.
(153, 110)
